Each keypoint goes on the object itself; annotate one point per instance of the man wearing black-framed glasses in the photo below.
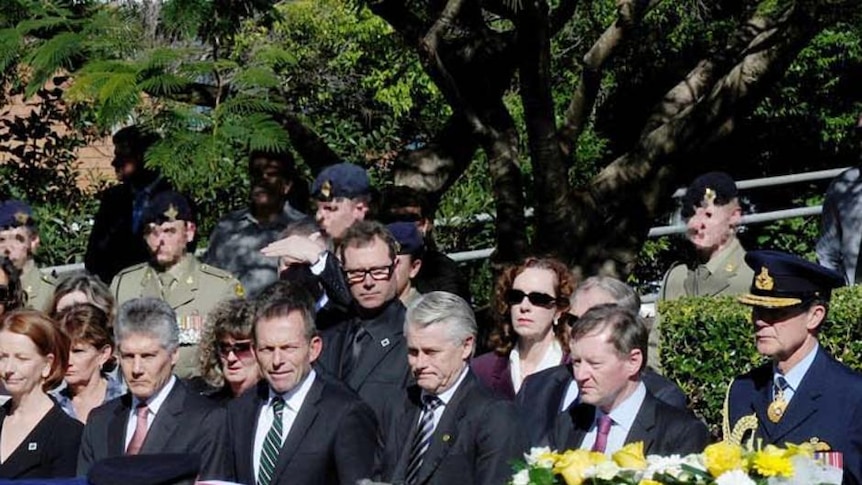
(368, 351)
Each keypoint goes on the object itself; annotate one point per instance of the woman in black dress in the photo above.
(37, 439)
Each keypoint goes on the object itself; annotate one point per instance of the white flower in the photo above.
(672, 465)
(532, 457)
(522, 477)
(734, 477)
(76, 227)
(605, 470)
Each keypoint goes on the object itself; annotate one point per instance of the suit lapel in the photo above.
(245, 436)
(301, 424)
(117, 426)
(166, 421)
(383, 340)
(804, 402)
(446, 432)
(406, 430)
(644, 426)
(581, 417)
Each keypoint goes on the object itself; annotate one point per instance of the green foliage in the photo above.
(42, 170)
(706, 342)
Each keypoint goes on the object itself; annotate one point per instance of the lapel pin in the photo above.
(384, 342)
(31, 446)
(446, 438)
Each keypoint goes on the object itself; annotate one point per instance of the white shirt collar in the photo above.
(154, 403)
(446, 395)
(294, 398)
(797, 373)
(624, 415)
(552, 358)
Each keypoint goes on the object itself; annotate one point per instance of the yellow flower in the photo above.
(723, 457)
(573, 463)
(804, 449)
(631, 456)
(772, 461)
(647, 481)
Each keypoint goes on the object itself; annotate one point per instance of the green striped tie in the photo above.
(271, 445)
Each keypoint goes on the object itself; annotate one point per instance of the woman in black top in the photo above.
(37, 439)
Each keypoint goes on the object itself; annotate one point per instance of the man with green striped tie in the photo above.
(297, 426)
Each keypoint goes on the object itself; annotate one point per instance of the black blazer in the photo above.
(541, 398)
(475, 441)
(332, 441)
(664, 430)
(381, 373)
(49, 451)
(186, 423)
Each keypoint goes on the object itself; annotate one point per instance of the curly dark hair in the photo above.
(502, 338)
(16, 297)
(230, 318)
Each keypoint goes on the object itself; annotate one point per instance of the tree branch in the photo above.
(629, 14)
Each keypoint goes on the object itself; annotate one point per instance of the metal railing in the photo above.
(658, 231)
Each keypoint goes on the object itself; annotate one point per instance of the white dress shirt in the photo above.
(795, 375)
(154, 403)
(293, 400)
(622, 417)
(445, 397)
(552, 358)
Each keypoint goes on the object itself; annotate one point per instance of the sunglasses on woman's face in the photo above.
(239, 349)
(544, 300)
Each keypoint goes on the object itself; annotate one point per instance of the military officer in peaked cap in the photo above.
(175, 275)
(19, 240)
(803, 395)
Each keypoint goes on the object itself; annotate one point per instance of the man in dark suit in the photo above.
(297, 427)
(368, 351)
(803, 395)
(448, 428)
(159, 414)
(608, 347)
(545, 394)
(116, 240)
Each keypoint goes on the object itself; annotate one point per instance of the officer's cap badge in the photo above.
(709, 195)
(763, 281)
(172, 213)
(326, 188)
(22, 218)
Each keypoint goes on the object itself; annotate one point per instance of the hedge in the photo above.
(706, 342)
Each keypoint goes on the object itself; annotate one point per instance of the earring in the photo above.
(556, 321)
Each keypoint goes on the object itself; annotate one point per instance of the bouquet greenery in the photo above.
(720, 464)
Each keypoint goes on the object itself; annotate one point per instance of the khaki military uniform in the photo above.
(191, 288)
(725, 275)
(38, 286)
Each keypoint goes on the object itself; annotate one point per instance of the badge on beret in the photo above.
(171, 213)
(21, 218)
(239, 290)
(326, 188)
(709, 195)
(763, 281)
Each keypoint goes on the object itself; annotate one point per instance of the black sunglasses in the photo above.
(544, 300)
(240, 349)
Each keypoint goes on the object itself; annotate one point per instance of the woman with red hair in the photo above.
(528, 337)
(37, 439)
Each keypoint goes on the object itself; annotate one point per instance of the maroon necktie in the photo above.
(142, 412)
(603, 430)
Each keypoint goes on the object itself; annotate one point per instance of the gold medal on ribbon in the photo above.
(776, 409)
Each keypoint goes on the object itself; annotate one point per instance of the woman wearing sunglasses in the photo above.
(88, 382)
(528, 336)
(228, 367)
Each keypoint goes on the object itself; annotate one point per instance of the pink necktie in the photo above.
(140, 435)
(602, 435)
